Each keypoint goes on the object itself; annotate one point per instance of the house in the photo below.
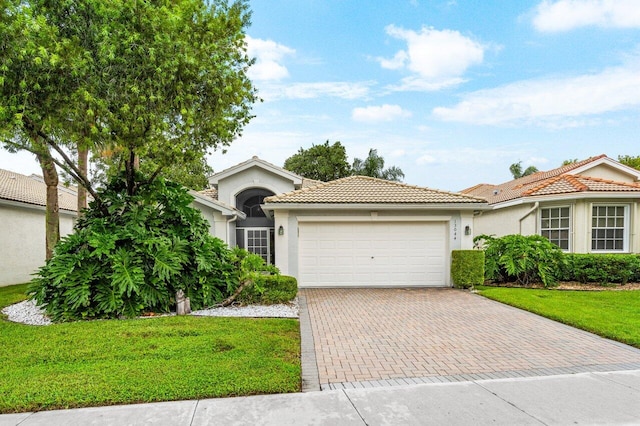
(22, 224)
(591, 206)
(351, 232)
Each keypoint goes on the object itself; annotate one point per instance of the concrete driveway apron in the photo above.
(384, 337)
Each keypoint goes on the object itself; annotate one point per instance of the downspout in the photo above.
(533, 209)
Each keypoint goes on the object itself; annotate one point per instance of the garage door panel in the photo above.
(372, 254)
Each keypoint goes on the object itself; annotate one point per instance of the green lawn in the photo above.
(143, 360)
(611, 314)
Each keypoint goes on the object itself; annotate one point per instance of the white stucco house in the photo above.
(591, 206)
(22, 224)
(351, 232)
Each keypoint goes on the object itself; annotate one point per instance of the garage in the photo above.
(364, 232)
(373, 254)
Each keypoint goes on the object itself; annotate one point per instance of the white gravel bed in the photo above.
(26, 312)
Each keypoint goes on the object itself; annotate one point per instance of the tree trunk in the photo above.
(52, 224)
(83, 166)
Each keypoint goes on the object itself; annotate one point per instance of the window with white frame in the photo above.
(555, 225)
(609, 227)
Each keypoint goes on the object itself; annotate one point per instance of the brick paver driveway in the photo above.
(365, 337)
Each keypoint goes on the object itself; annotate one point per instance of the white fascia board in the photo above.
(566, 198)
(216, 205)
(215, 178)
(362, 206)
(610, 162)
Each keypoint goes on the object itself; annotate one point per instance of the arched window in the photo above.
(252, 207)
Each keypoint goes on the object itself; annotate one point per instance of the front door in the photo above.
(260, 241)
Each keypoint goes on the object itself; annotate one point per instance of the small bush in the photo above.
(523, 259)
(467, 268)
(269, 290)
(601, 268)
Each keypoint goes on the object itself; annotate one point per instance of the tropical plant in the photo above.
(523, 259)
(373, 166)
(135, 252)
(320, 162)
(517, 172)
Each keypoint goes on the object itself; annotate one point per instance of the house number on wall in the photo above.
(455, 229)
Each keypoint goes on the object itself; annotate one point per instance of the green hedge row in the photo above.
(269, 290)
(601, 268)
(467, 268)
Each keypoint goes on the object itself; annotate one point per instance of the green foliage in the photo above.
(162, 81)
(97, 363)
(629, 160)
(467, 268)
(133, 253)
(320, 162)
(601, 268)
(523, 259)
(270, 289)
(373, 166)
(517, 172)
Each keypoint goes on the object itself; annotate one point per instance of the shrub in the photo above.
(602, 268)
(131, 253)
(523, 259)
(270, 289)
(467, 268)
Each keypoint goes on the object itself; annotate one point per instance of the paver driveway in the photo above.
(368, 337)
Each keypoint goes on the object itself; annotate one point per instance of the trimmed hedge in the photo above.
(601, 268)
(270, 290)
(467, 268)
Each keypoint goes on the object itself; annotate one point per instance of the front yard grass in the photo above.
(611, 314)
(142, 360)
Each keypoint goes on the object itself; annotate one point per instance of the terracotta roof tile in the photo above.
(209, 192)
(32, 190)
(367, 190)
(575, 183)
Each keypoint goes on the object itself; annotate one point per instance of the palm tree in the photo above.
(373, 166)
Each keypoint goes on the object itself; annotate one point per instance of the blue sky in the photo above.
(452, 92)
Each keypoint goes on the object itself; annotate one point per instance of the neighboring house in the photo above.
(590, 206)
(22, 224)
(351, 232)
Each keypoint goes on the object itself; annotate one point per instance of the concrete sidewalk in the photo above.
(586, 398)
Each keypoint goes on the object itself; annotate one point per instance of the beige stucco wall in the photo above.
(505, 221)
(22, 247)
(218, 226)
(253, 177)
(604, 171)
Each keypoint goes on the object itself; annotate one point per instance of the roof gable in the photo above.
(368, 190)
(256, 162)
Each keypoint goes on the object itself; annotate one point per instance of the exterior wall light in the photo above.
(280, 230)
(467, 230)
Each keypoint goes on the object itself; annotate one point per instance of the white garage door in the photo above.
(384, 254)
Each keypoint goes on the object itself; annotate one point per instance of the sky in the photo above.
(452, 92)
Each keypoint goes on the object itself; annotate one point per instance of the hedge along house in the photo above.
(591, 206)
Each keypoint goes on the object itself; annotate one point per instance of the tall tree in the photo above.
(320, 162)
(629, 160)
(165, 79)
(373, 166)
(517, 172)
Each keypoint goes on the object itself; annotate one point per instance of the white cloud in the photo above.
(269, 56)
(384, 112)
(436, 58)
(560, 102)
(565, 15)
(335, 89)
